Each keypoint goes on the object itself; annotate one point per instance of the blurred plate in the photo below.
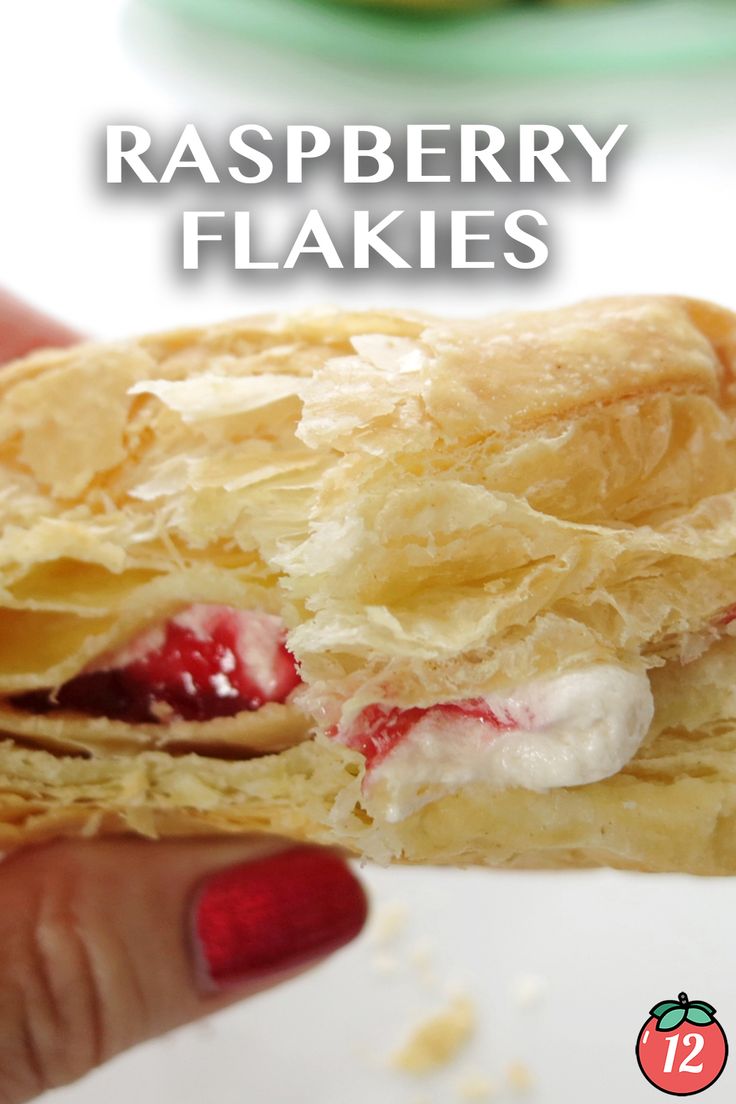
(518, 40)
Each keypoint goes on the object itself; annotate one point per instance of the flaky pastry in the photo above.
(433, 591)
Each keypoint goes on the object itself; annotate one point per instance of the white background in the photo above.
(603, 946)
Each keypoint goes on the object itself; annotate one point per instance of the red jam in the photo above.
(211, 661)
(378, 728)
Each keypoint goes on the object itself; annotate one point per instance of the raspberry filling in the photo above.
(209, 661)
(378, 729)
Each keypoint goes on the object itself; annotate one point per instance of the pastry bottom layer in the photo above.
(672, 808)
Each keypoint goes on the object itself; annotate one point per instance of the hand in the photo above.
(23, 329)
(105, 943)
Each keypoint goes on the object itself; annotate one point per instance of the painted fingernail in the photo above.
(273, 914)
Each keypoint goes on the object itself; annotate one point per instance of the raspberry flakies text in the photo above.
(472, 210)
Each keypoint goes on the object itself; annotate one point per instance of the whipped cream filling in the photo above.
(567, 730)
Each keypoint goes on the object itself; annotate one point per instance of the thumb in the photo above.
(22, 329)
(105, 943)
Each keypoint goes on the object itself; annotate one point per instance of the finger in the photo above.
(106, 943)
(22, 328)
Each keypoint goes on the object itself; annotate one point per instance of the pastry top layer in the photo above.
(435, 507)
(69, 412)
(516, 371)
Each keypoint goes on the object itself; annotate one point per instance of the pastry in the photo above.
(432, 590)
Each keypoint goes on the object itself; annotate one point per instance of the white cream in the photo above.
(571, 729)
(260, 636)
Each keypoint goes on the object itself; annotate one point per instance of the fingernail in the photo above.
(273, 914)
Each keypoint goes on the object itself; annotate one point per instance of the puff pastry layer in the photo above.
(436, 509)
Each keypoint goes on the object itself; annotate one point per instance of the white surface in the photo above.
(608, 945)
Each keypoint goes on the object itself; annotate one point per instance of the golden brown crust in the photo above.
(435, 508)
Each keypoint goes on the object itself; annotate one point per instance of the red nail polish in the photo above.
(275, 913)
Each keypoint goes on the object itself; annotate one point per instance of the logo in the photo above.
(682, 1048)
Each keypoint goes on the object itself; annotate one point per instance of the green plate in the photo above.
(518, 39)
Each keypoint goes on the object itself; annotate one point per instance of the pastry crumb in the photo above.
(384, 963)
(389, 922)
(436, 1042)
(519, 1077)
(422, 957)
(423, 951)
(527, 990)
(477, 1087)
